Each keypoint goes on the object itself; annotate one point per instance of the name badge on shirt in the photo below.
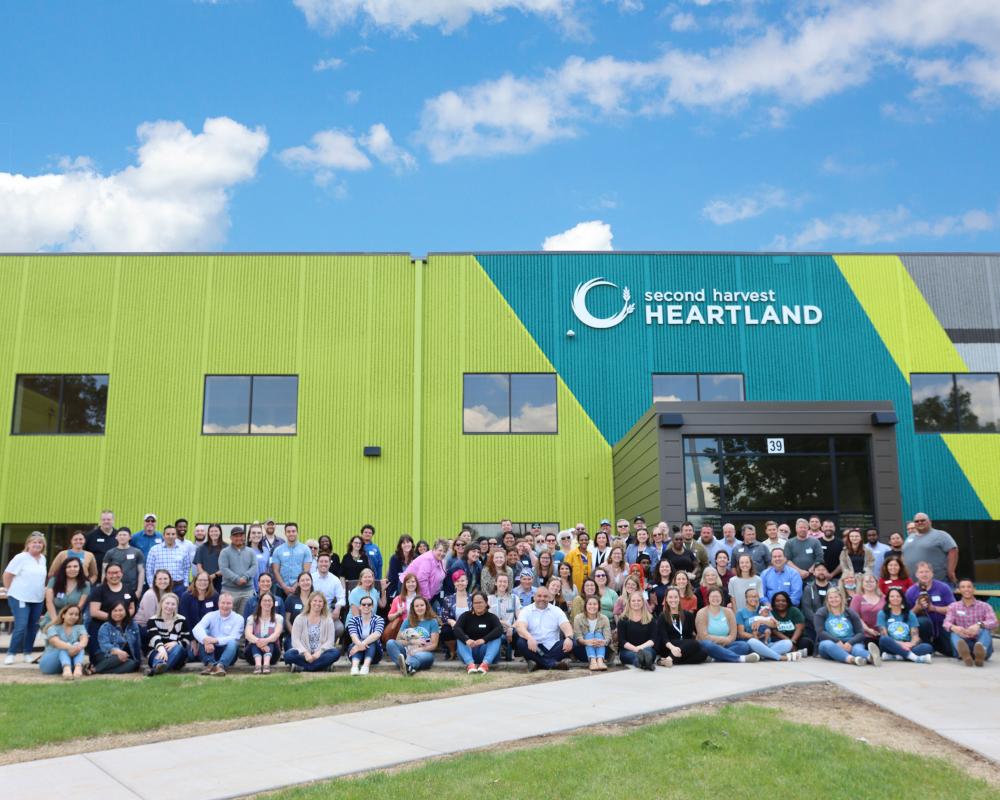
(102, 540)
(126, 597)
(960, 612)
(130, 556)
(936, 598)
(809, 551)
(210, 604)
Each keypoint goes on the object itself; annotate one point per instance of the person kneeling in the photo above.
(314, 637)
(545, 636)
(413, 648)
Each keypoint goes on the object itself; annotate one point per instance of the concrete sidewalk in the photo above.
(957, 702)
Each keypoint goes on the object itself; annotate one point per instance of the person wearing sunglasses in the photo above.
(365, 629)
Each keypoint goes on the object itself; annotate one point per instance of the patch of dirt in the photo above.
(495, 680)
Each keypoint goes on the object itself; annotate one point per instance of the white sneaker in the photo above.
(9, 659)
(751, 658)
(355, 668)
(801, 654)
(874, 654)
(924, 659)
(859, 661)
(364, 669)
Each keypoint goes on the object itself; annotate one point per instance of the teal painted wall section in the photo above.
(842, 358)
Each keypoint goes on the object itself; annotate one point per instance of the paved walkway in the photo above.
(960, 703)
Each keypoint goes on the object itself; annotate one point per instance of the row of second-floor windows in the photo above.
(962, 402)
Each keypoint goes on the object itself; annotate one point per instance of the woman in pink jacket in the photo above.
(429, 570)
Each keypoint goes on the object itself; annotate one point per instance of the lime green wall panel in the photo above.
(565, 478)
(158, 325)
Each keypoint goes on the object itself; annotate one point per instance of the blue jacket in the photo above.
(374, 559)
(111, 637)
(788, 580)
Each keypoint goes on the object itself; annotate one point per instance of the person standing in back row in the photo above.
(935, 547)
(289, 560)
(101, 539)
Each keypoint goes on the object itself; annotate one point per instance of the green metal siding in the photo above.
(637, 472)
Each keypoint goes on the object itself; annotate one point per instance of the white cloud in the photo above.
(352, 96)
(592, 235)
(479, 419)
(378, 141)
(535, 419)
(736, 209)
(335, 150)
(820, 53)
(835, 165)
(885, 227)
(176, 197)
(683, 22)
(448, 15)
(325, 64)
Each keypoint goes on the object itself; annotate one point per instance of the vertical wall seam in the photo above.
(418, 388)
(101, 501)
(15, 359)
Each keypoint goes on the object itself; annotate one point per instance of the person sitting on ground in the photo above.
(314, 637)
(367, 587)
(675, 633)
(479, 633)
(637, 634)
(505, 606)
(365, 630)
(689, 600)
(790, 623)
(592, 633)
(587, 589)
(65, 645)
(524, 591)
(709, 580)
(842, 634)
(169, 637)
(545, 636)
(452, 607)
(929, 599)
(76, 551)
(413, 648)
(263, 635)
(218, 635)
(67, 587)
(150, 600)
(497, 565)
(119, 643)
(900, 631)
(867, 604)
(716, 628)
(894, 574)
(745, 577)
(971, 623)
(756, 626)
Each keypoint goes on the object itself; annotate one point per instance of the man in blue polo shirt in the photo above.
(779, 577)
(148, 536)
(289, 560)
(371, 550)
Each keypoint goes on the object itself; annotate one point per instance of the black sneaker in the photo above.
(532, 666)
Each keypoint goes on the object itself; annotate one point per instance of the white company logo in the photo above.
(588, 319)
(699, 307)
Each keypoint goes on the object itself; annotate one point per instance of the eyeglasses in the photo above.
(623, 526)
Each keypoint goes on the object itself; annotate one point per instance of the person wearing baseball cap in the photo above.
(148, 537)
(271, 541)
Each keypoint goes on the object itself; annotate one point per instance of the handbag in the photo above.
(391, 630)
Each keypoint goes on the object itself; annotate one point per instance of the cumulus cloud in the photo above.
(592, 235)
(815, 55)
(334, 150)
(726, 211)
(325, 64)
(448, 15)
(176, 197)
(885, 227)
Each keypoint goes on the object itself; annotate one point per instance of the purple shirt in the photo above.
(429, 572)
(940, 594)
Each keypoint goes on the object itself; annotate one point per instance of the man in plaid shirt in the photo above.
(971, 623)
(170, 555)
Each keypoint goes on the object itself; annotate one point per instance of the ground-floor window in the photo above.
(978, 547)
(492, 529)
(57, 535)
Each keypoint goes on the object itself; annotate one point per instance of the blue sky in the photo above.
(441, 125)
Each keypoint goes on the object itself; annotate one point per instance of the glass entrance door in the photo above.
(742, 479)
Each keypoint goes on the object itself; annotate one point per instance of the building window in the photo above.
(964, 402)
(978, 548)
(492, 530)
(259, 405)
(57, 536)
(60, 404)
(693, 388)
(509, 403)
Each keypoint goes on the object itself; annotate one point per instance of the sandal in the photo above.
(257, 670)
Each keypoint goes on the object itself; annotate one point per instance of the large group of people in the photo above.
(118, 602)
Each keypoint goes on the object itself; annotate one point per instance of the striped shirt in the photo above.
(356, 626)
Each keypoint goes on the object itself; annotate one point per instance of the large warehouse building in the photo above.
(421, 394)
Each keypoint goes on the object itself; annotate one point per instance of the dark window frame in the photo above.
(697, 383)
(59, 414)
(510, 394)
(956, 416)
(249, 418)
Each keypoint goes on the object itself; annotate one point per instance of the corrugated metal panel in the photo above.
(962, 290)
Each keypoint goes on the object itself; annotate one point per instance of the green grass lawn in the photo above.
(743, 751)
(33, 714)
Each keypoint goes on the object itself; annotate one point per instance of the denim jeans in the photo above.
(891, 646)
(373, 652)
(53, 661)
(730, 652)
(175, 659)
(419, 661)
(325, 661)
(26, 616)
(984, 638)
(545, 657)
(593, 651)
(481, 653)
(830, 649)
(252, 651)
(222, 654)
(773, 651)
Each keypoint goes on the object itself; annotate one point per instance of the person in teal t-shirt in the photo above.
(900, 631)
